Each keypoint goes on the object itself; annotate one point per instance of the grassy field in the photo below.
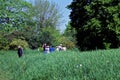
(69, 65)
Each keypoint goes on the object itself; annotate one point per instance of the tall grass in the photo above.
(69, 65)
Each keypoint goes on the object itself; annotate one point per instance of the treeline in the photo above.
(31, 25)
(96, 22)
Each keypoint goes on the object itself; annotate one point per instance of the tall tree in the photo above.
(47, 14)
(97, 23)
(14, 14)
(70, 33)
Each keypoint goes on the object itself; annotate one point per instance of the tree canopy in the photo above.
(29, 23)
(46, 14)
(97, 23)
(14, 14)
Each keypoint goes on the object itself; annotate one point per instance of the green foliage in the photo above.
(46, 13)
(97, 23)
(69, 65)
(69, 31)
(107, 45)
(53, 37)
(36, 39)
(46, 37)
(4, 44)
(40, 49)
(16, 42)
(66, 42)
(14, 15)
(14, 35)
(68, 37)
(36, 24)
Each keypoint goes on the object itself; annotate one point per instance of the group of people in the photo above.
(48, 49)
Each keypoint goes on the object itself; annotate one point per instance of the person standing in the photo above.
(20, 51)
(47, 49)
(60, 47)
(44, 46)
(52, 49)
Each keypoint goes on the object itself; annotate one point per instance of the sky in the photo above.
(63, 10)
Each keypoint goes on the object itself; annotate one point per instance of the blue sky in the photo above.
(65, 12)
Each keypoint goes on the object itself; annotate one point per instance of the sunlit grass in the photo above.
(69, 65)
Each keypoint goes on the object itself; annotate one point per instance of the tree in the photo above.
(97, 23)
(34, 23)
(50, 36)
(46, 14)
(69, 33)
(14, 15)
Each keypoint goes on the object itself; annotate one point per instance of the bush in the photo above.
(69, 44)
(107, 45)
(16, 42)
(4, 44)
(66, 42)
(40, 49)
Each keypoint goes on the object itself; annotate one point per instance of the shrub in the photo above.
(16, 42)
(66, 42)
(70, 44)
(107, 45)
(4, 44)
(40, 49)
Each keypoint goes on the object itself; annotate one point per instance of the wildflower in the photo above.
(80, 65)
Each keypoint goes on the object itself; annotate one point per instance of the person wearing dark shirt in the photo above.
(44, 46)
(20, 51)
